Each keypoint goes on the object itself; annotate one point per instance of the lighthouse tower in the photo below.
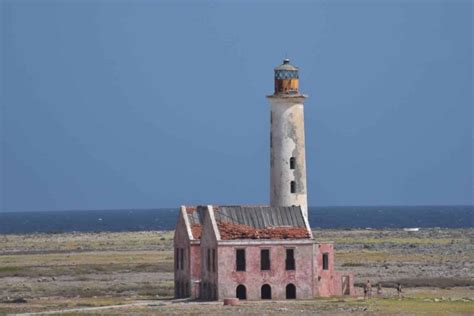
(287, 146)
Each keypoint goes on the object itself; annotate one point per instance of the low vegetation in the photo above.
(86, 270)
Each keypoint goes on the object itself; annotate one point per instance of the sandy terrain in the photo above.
(81, 271)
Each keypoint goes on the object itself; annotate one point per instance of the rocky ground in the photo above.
(82, 271)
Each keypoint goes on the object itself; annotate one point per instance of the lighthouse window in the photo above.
(292, 163)
(293, 187)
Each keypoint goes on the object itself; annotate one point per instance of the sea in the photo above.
(347, 217)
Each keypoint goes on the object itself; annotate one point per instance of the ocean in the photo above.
(165, 219)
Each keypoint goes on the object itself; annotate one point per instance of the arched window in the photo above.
(241, 292)
(292, 163)
(290, 291)
(293, 187)
(266, 292)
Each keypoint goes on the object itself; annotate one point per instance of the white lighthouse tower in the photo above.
(287, 146)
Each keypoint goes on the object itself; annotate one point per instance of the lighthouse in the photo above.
(287, 141)
(217, 247)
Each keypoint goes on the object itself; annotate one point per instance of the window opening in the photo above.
(325, 261)
(176, 258)
(293, 186)
(240, 259)
(214, 260)
(208, 259)
(292, 163)
(265, 259)
(290, 259)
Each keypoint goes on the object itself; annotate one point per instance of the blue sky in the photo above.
(145, 104)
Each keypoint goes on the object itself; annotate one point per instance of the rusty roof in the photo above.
(262, 216)
(230, 231)
(261, 222)
(251, 222)
(195, 220)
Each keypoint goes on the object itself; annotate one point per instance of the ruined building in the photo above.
(261, 252)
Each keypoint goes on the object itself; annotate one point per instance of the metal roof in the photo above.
(194, 215)
(261, 216)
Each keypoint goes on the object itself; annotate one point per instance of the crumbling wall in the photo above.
(287, 140)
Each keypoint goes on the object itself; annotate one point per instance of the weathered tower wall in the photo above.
(287, 141)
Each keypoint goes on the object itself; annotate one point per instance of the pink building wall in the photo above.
(209, 259)
(277, 277)
(186, 278)
(219, 279)
(329, 282)
(182, 272)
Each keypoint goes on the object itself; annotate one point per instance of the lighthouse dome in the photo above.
(286, 78)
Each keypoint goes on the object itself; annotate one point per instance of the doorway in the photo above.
(241, 292)
(266, 292)
(345, 285)
(290, 291)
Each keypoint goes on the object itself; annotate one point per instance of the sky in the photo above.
(148, 104)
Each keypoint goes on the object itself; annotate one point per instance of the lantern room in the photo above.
(286, 78)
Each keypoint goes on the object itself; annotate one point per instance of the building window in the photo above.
(265, 259)
(290, 259)
(325, 261)
(181, 258)
(292, 163)
(266, 292)
(293, 187)
(176, 258)
(290, 291)
(240, 259)
(241, 292)
(214, 260)
(208, 259)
